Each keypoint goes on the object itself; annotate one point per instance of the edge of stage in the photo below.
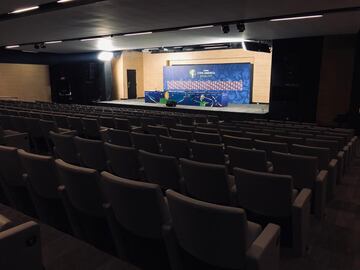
(233, 111)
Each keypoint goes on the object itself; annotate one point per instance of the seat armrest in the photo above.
(340, 157)
(300, 221)
(269, 166)
(332, 178)
(18, 140)
(263, 254)
(172, 248)
(320, 194)
(5, 223)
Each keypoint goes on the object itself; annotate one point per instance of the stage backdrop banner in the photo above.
(235, 79)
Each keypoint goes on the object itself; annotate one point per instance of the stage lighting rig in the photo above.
(225, 28)
(240, 27)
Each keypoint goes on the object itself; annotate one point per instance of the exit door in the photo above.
(131, 83)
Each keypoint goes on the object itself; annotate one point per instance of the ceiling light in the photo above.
(225, 28)
(240, 27)
(53, 42)
(12, 46)
(216, 47)
(21, 10)
(297, 18)
(138, 34)
(105, 56)
(197, 27)
(64, 1)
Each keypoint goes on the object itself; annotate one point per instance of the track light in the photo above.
(225, 28)
(240, 27)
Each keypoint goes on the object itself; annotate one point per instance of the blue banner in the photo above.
(234, 79)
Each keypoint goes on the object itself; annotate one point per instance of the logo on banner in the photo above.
(192, 73)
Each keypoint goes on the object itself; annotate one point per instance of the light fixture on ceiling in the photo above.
(216, 47)
(138, 34)
(225, 28)
(240, 27)
(53, 42)
(12, 46)
(297, 18)
(64, 1)
(197, 27)
(105, 56)
(22, 10)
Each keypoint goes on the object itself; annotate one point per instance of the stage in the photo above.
(233, 111)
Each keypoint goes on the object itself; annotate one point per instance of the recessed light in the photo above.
(105, 56)
(12, 46)
(22, 10)
(138, 34)
(216, 47)
(297, 18)
(64, 1)
(53, 42)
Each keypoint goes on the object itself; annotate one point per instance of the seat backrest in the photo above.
(206, 129)
(206, 182)
(301, 134)
(158, 130)
(207, 137)
(91, 128)
(123, 161)
(303, 169)
(249, 159)
(341, 140)
(91, 153)
(139, 207)
(65, 147)
(61, 120)
(264, 193)
(207, 152)
(271, 146)
(323, 154)
(175, 147)
(238, 142)
(21, 247)
(119, 137)
(169, 122)
(75, 124)
(42, 174)
(181, 134)
(257, 135)
(331, 144)
(160, 169)
(47, 126)
(147, 142)
(33, 127)
(107, 122)
(82, 188)
(230, 132)
(122, 124)
(11, 170)
(223, 244)
(288, 139)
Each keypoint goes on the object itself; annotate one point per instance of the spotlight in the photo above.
(225, 28)
(105, 56)
(36, 46)
(240, 27)
(43, 46)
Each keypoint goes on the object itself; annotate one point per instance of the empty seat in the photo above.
(118, 137)
(230, 242)
(122, 124)
(258, 136)
(42, 182)
(107, 122)
(91, 153)
(20, 247)
(229, 132)
(169, 122)
(64, 147)
(268, 197)
(269, 147)
(158, 130)
(162, 170)
(206, 152)
(304, 171)
(91, 128)
(181, 134)
(175, 147)
(186, 120)
(289, 139)
(147, 142)
(206, 129)
(207, 137)
(82, 199)
(136, 214)
(123, 161)
(36, 136)
(14, 139)
(249, 159)
(185, 127)
(61, 120)
(238, 142)
(75, 123)
(208, 182)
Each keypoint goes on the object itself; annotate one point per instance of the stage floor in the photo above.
(232, 108)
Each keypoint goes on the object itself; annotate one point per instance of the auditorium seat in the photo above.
(14, 139)
(82, 198)
(324, 163)
(207, 152)
(288, 139)
(64, 147)
(271, 198)
(147, 142)
(12, 183)
(118, 137)
(36, 137)
(122, 124)
(91, 153)
(61, 120)
(186, 120)
(208, 236)
(169, 122)
(181, 134)
(301, 134)
(136, 213)
(304, 171)
(158, 130)
(207, 137)
(123, 161)
(208, 182)
(91, 128)
(249, 159)
(20, 247)
(258, 136)
(18, 123)
(42, 182)
(206, 129)
(230, 132)
(269, 147)
(238, 142)
(47, 126)
(107, 122)
(76, 124)
(185, 127)
(161, 170)
(175, 147)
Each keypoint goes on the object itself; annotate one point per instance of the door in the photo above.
(131, 83)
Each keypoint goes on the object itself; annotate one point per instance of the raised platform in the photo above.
(232, 111)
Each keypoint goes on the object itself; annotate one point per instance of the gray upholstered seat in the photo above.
(207, 137)
(241, 142)
(208, 152)
(118, 137)
(270, 197)
(304, 170)
(91, 153)
(158, 130)
(269, 147)
(181, 134)
(209, 236)
(64, 147)
(136, 212)
(147, 142)
(175, 147)
(91, 128)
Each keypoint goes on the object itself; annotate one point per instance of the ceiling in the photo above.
(124, 16)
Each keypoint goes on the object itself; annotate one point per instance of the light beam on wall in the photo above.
(105, 56)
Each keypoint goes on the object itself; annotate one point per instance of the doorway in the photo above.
(131, 83)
